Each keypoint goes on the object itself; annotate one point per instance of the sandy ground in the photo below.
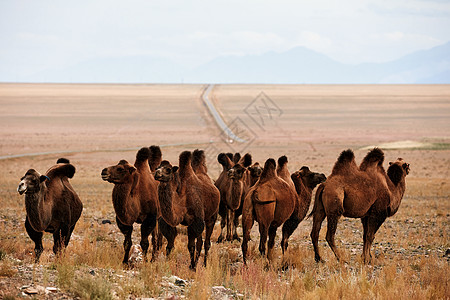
(101, 124)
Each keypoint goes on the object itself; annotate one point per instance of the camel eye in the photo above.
(120, 169)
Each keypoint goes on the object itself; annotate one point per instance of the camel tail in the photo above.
(155, 157)
(142, 154)
(198, 159)
(62, 160)
(317, 200)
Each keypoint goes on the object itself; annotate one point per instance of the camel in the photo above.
(304, 181)
(367, 192)
(255, 172)
(233, 183)
(270, 202)
(188, 197)
(52, 205)
(135, 198)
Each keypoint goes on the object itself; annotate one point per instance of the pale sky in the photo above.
(39, 34)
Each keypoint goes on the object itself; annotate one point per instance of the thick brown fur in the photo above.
(135, 200)
(189, 198)
(270, 202)
(233, 183)
(52, 205)
(304, 181)
(369, 193)
(155, 157)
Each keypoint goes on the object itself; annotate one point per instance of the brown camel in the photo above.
(189, 198)
(255, 172)
(135, 197)
(233, 183)
(270, 202)
(51, 204)
(367, 192)
(304, 181)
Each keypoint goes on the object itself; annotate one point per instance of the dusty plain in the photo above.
(97, 125)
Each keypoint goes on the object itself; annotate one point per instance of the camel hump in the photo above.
(155, 157)
(374, 156)
(236, 157)
(224, 160)
(61, 170)
(185, 159)
(142, 154)
(346, 158)
(199, 160)
(269, 169)
(246, 160)
(62, 160)
(282, 161)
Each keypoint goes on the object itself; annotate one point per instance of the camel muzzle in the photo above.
(105, 175)
(22, 188)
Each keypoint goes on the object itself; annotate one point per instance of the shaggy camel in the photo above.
(304, 181)
(188, 197)
(135, 197)
(233, 183)
(270, 202)
(255, 172)
(367, 192)
(51, 204)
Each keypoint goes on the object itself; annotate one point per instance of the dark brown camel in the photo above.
(255, 172)
(189, 198)
(135, 197)
(51, 204)
(270, 202)
(367, 192)
(233, 183)
(304, 181)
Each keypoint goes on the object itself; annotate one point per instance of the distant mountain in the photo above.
(298, 65)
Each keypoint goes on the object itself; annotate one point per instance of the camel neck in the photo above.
(38, 210)
(234, 193)
(396, 196)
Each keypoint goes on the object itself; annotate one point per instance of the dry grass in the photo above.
(409, 247)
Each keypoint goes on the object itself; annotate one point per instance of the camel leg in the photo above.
(230, 223)
(237, 213)
(58, 240)
(223, 220)
(195, 232)
(271, 242)
(263, 233)
(147, 228)
(69, 234)
(332, 221)
(247, 224)
(371, 226)
(318, 217)
(288, 228)
(208, 232)
(126, 231)
(36, 237)
(169, 233)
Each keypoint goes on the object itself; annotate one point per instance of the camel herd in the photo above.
(160, 196)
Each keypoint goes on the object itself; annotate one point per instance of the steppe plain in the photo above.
(97, 125)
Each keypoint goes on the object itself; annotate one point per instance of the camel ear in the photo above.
(174, 169)
(131, 169)
(43, 178)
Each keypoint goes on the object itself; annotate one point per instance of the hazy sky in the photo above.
(35, 35)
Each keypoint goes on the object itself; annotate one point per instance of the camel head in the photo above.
(255, 170)
(309, 178)
(236, 172)
(32, 182)
(398, 170)
(121, 173)
(165, 171)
